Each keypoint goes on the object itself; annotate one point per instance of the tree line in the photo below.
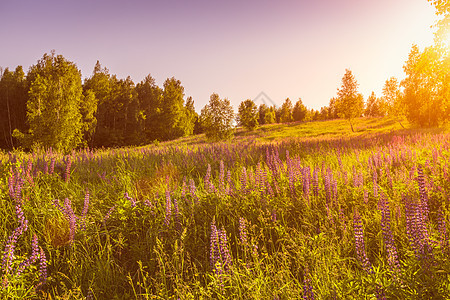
(51, 106)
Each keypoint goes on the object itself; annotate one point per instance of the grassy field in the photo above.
(296, 211)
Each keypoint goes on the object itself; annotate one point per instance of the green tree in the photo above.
(100, 83)
(323, 115)
(351, 103)
(423, 87)
(13, 98)
(53, 108)
(262, 110)
(333, 108)
(88, 108)
(173, 110)
(190, 117)
(286, 111)
(374, 106)
(269, 116)
(300, 111)
(150, 99)
(393, 99)
(217, 118)
(248, 114)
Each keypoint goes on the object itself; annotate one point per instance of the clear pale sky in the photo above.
(235, 48)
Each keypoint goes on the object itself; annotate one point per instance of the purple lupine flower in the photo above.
(366, 196)
(183, 188)
(45, 166)
(306, 182)
(417, 231)
(379, 293)
(214, 252)
(28, 171)
(308, 293)
(391, 249)
(33, 257)
(207, 179)
(70, 215)
(274, 215)
(109, 213)
(270, 190)
(243, 231)
(291, 176)
(359, 243)
(422, 191)
(229, 183)
(327, 186)
(243, 179)
(12, 240)
(42, 269)
(168, 209)
(132, 201)
(192, 190)
(224, 252)
(315, 183)
(176, 211)
(150, 204)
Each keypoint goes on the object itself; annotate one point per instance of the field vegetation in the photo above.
(298, 211)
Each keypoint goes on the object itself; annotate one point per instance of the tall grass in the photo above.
(357, 217)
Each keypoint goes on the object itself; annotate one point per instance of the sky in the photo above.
(236, 48)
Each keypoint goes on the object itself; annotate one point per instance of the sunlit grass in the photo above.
(297, 186)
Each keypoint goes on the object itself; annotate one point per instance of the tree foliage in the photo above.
(393, 99)
(426, 86)
(13, 98)
(53, 108)
(248, 114)
(217, 118)
(286, 111)
(351, 103)
(375, 107)
(300, 111)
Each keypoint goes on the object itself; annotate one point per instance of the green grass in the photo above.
(297, 188)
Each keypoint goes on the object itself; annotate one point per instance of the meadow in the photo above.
(298, 211)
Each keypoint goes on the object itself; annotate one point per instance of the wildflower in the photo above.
(168, 209)
(70, 216)
(224, 252)
(109, 213)
(315, 183)
(214, 253)
(359, 243)
(243, 231)
(243, 179)
(388, 238)
(422, 191)
(33, 257)
(192, 188)
(42, 268)
(308, 293)
(132, 201)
